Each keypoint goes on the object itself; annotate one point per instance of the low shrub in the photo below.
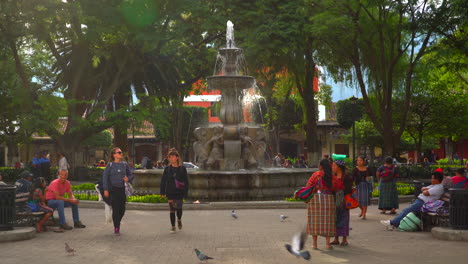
(84, 186)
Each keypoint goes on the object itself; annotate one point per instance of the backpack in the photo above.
(410, 223)
(431, 207)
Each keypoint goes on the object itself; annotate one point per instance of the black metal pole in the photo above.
(354, 143)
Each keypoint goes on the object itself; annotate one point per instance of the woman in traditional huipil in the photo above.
(344, 185)
(388, 194)
(321, 208)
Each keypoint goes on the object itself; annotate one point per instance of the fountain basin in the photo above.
(225, 83)
(242, 185)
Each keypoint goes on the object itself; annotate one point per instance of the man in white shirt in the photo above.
(63, 164)
(428, 194)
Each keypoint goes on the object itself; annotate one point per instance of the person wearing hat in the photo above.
(24, 184)
(447, 181)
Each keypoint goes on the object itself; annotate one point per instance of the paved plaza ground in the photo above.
(257, 237)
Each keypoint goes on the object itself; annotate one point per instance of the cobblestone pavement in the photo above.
(258, 236)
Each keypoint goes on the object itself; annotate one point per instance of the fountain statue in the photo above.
(231, 155)
(232, 146)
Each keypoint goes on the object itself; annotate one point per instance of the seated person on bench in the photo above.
(460, 180)
(428, 194)
(55, 199)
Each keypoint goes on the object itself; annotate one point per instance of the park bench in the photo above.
(24, 216)
(440, 218)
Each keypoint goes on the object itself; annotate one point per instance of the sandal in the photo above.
(60, 230)
(344, 244)
(360, 215)
(330, 248)
(392, 212)
(335, 243)
(382, 212)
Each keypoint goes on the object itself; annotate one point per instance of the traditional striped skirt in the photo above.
(363, 193)
(342, 221)
(321, 215)
(388, 196)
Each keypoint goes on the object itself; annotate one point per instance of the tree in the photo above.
(348, 112)
(382, 42)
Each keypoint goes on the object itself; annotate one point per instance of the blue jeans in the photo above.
(60, 205)
(414, 207)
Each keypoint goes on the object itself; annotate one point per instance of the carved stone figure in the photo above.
(246, 152)
(216, 147)
(199, 146)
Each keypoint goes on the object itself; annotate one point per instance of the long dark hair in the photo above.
(37, 184)
(327, 176)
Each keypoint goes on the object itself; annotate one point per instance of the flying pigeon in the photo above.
(297, 245)
(283, 217)
(201, 256)
(234, 214)
(69, 250)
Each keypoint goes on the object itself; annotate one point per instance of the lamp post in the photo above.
(354, 100)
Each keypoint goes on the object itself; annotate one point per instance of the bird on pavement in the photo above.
(297, 245)
(234, 214)
(69, 250)
(283, 217)
(201, 256)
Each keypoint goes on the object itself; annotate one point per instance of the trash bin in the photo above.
(7, 206)
(458, 209)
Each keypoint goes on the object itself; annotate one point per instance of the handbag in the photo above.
(129, 189)
(305, 193)
(351, 200)
(180, 185)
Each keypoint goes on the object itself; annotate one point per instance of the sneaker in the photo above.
(179, 224)
(387, 224)
(79, 225)
(116, 231)
(173, 230)
(66, 227)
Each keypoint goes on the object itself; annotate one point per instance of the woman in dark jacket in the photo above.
(174, 185)
(116, 174)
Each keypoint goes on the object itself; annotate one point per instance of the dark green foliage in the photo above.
(347, 112)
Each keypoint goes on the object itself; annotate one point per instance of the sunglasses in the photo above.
(118, 152)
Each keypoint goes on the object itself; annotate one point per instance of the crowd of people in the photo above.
(328, 215)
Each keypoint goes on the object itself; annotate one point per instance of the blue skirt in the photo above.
(363, 193)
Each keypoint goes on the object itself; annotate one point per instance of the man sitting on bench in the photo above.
(428, 194)
(55, 199)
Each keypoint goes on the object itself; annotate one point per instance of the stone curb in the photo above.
(447, 233)
(223, 205)
(17, 234)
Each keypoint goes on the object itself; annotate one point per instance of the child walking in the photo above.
(174, 185)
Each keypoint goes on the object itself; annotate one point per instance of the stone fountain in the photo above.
(232, 146)
(230, 155)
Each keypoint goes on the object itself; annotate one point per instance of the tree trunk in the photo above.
(13, 153)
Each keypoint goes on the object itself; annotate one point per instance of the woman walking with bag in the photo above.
(116, 174)
(174, 185)
(361, 176)
(388, 194)
(321, 208)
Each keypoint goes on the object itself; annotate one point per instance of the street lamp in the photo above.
(354, 100)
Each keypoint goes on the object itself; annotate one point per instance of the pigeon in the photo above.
(297, 245)
(201, 256)
(283, 217)
(69, 250)
(234, 215)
